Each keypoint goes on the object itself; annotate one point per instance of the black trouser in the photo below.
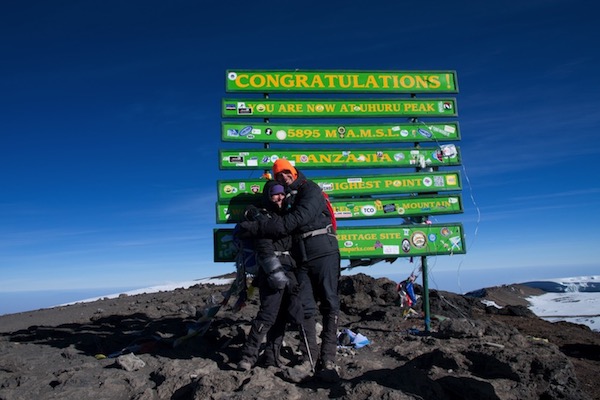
(318, 281)
(277, 307)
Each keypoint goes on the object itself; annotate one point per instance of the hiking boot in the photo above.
(271, 356)
(298, 373)
(244, 365)
(328, 372)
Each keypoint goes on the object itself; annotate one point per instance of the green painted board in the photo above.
(443, 155)
(375, 241)
(332, 81)
(365, 208)
(357, 185)
(334, 108)
(261, 132)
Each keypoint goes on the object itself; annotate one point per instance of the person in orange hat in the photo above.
(316, 252)
(285, 170)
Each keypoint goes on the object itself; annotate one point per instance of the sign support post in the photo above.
(426, 309)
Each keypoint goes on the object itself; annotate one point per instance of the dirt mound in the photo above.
(471, 350)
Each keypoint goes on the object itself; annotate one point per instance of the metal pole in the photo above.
(426, 293)
(424, 271)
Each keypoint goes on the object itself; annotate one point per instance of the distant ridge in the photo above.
(562, 287)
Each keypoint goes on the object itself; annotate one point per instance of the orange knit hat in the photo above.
(281, 164)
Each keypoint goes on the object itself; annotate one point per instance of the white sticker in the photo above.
(281, 134)
(387, 249)
(449, 128)
(368, 210)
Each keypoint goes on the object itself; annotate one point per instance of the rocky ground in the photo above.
(470, 351)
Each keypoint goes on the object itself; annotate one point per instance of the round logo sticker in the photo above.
(281, 134)
(368, 210)
(418, 239)
(229, 189)
(405, 245)
(245, 130)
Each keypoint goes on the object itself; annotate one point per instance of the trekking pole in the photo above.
(312, 364)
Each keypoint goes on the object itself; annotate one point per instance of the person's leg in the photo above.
(275, 337)
(308, 323)
(328, 276)
(270, 301)
(325, 277)
(273, 346)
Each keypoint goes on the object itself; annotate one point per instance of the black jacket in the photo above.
(308, 212)
(266, 246)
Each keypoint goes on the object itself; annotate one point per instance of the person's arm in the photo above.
(308, 205)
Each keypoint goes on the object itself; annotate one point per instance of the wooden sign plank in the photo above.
(375, 242)
(364, 208)
(343, 133)
(336, 108)
(443, 155)
(344, 81)
(357, 185)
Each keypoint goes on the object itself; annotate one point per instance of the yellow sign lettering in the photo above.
(264, 80)
(290, 107)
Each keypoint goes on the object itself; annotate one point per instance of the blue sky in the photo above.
(110, 127)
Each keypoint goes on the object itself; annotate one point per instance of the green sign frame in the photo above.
(262, 132)
(375, 242)
(345, 81)
(244, 190)
(443, 155)
(333, 108)
(364, 208)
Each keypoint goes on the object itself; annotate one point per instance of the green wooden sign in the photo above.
(244, 190)
(339, 133)
(347, 108)
(363, 208)
(375, 241)
(443, 155)
(271, 81)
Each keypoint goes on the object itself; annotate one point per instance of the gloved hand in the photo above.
(276, 277)
(253, 213)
